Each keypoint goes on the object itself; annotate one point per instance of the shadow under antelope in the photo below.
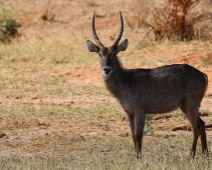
(151, 91)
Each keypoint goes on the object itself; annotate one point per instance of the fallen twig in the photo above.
(187, 127)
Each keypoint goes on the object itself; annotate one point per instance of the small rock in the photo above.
(166, 136)
(2, 135)
(34, 97)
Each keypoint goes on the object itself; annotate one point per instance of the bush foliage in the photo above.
(171, 20)
(8, 25)
(174, 19)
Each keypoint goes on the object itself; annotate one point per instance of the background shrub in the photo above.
(180, 20)
(8, 25)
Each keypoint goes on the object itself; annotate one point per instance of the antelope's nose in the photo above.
(106, 69)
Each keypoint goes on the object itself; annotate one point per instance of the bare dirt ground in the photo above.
(73, 17)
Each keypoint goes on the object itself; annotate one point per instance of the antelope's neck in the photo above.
(115, 82)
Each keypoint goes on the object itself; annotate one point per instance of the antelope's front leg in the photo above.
(130, 118)
(139, 121)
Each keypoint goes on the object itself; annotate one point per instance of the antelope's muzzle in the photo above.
(106, 70)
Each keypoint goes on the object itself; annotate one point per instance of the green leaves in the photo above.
(8, 25)
(148, 122)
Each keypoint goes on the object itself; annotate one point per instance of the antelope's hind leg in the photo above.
(191, 112)
(202, 133)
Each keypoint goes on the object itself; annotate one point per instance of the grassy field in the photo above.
(57, 114)
(51, 122)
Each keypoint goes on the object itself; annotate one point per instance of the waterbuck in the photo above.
(151, 91)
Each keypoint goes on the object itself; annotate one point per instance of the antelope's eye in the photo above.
(100, 54)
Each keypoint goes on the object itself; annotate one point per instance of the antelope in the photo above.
(151, 91)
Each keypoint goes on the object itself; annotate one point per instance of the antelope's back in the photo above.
(162, 89)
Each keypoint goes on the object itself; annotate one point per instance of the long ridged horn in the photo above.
(96, 38)
(120, 30)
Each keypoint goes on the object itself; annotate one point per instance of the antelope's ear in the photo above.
(122, 46)
(92, 47)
